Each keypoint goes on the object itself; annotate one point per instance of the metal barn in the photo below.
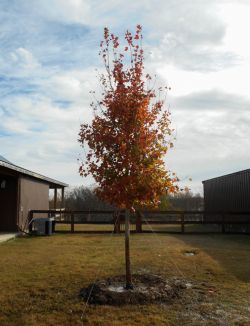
(228, 193)
(22, 190)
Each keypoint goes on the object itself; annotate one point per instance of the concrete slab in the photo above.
(6, 236)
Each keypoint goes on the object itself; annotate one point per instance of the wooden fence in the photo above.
(226, 221)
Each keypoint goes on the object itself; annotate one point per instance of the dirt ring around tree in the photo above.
(147, 288)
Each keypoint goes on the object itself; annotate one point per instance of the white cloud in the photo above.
(45, 87)
(45, 134)
(25, 59)
(47, 131)
(212, 135)
(71, 85)
(87, 12)
(69, 11)
(21, 63)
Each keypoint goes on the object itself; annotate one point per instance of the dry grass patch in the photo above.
(41, 278)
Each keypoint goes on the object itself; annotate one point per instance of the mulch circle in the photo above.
(147, 288)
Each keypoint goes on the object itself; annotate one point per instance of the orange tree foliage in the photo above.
(130, 133)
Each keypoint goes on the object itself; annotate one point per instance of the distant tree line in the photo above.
(84, 198)
(185, 201)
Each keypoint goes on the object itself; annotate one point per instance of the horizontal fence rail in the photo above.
(233, 222)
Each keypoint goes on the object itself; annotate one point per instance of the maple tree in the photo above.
(130, 133)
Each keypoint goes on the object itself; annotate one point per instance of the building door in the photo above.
(8, 203)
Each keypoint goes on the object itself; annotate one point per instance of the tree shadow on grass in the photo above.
(232, 252)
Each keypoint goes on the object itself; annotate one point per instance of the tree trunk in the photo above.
(129, 284)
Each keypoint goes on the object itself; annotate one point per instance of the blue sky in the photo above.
(48, 55)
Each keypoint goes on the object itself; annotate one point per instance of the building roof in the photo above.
(4, 159)
(228, 175)
(52, 182)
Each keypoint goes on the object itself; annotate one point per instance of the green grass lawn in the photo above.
(40, 279)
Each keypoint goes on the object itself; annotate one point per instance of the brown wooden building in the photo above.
(22, 190)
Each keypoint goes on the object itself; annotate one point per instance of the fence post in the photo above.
(223, 224)
(72, 223)
(30, 221)
(138, 222)
(116, 222)
(53, 226)
(182, 223)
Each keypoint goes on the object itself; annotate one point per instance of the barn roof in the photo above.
(4, 159)
(52, 182)
(228, 175)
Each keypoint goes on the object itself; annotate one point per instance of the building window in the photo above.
(3, 184)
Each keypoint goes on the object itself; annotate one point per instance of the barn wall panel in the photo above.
(228, 193)
(33, 195)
